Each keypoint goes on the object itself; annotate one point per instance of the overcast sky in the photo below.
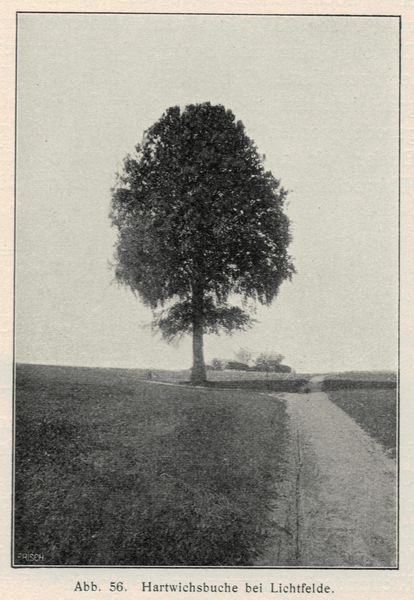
(319, 97)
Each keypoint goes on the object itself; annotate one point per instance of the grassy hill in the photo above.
(114, 470)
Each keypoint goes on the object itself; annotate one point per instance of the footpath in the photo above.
(337, 497)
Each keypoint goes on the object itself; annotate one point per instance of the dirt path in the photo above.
(337, 500)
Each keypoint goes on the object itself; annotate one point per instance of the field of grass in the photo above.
(229, 379)
(291, 386)
(227, 375)
(375, 410)
(370, 398)
(230, 375)
(113, 470)
(379, 376)
(360, 380)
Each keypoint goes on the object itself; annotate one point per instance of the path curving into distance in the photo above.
(336, 504)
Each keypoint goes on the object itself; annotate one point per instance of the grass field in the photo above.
(375, 410)
(266, 385)
(370, 398)
(227, 375)
(374, 376)
(113, 470)
(229, 379)
(355, 380)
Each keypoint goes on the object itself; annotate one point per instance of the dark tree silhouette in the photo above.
(199, 219)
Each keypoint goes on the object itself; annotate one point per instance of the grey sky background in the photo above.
(319, 97)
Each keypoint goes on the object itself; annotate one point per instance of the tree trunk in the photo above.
(198, 372)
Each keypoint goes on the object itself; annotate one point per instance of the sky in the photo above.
(319, 96)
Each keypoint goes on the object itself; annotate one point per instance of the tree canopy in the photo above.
(244, 355)
(268, 361)
(199, 220)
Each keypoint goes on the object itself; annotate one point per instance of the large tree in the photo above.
(199, 220)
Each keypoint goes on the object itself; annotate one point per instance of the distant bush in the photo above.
(216, 365)
(283, 369)
(276, 368)
(236, 366)
(268, 361)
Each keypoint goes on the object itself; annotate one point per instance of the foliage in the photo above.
(178, 320)
(217, 364)
(268, 361)
(244, 355)
(199, 219)
(236, 366)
